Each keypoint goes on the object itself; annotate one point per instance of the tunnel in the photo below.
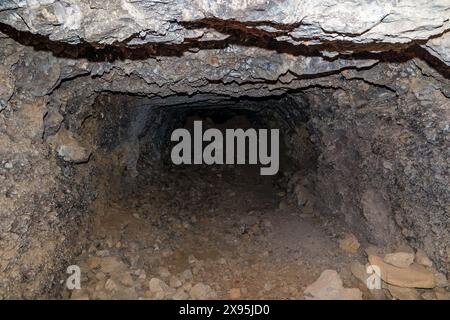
(343, 167)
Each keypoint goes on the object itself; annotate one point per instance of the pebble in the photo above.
(422, 258)
(234, 293)
(349, 243)
(175, 282)
(201, 292)
(110, 285)
(399, 259)
(157, 285)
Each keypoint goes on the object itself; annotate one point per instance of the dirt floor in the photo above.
(205, 232)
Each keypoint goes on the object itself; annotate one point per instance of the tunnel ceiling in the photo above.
(254, 48)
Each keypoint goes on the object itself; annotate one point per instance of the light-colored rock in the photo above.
(429, 295)
(201, 291)
(175, 282)
(187, 274)
(440, 279)
(403, 293)
(329, 286)
(442, 294)
(111, 264)
(110, 285)
(68, 147)
(414, 276)
(79, 295)
(399, 259)
(157, 285)
(349, 243)
(126, 279)
(180, 294)
(234, 293)
(422, 258)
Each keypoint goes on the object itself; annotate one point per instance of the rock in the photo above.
(93, 262)
(52, 122)
(411, 277)
(403, 293)
(68, 147)
(187, 274)
(442, 294)
(126, 279)
(349, 243)
(359, 271)
(180, 294)
(164, 272)
(422, 258)
(283, 204)
(111, 264)
(79, 295)
(157, 285)
(110, 285)
(428, 295)
(372, 250)
(175, 282)
(234, 293)
(329, 286)
(440, 279)
(399, 259)
(100, 276)
(201, 291)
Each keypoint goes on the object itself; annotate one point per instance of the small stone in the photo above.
(175, 282)
(234, 293)
(187, 286)
(164, 272)
(349, 243)
(93, 262)
(100, 276)
(187, 274)
(180, 294)
(429, 295)
(373, 251)
(8, 165)
(111, 264)
(127, 279)
(329, 286)
(157, 285)
(283, 204)
(68, 147)
(110, 285)
(442, 294)
(399, 259)
(440, 279)
(79, 295)
(359, 271)
(422, 258)
(192, 259)
(201, 292)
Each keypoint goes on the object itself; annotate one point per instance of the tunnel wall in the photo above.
(380, 130)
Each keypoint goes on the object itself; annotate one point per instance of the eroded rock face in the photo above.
(367, 81)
